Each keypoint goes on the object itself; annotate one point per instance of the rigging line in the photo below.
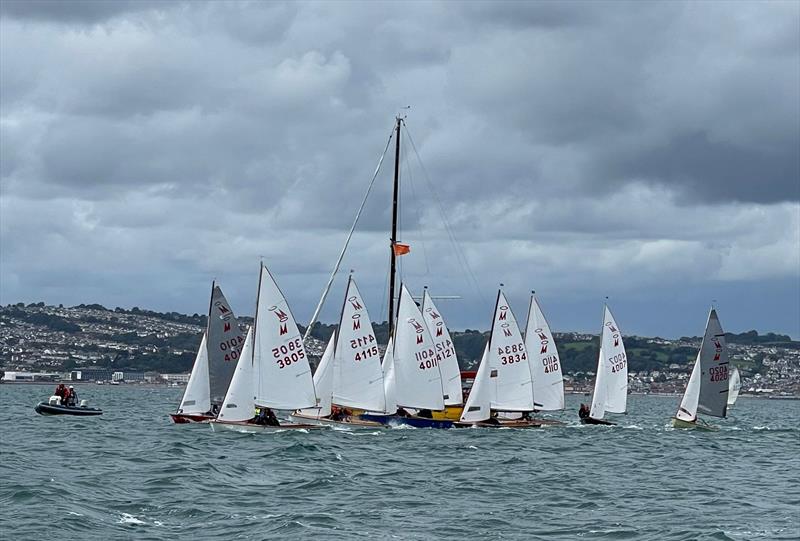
(347, 241)
(459, 253)
(416, 204)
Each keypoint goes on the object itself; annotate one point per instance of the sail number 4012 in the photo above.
(289, 353)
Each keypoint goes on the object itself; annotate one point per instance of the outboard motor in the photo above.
(84, 403)
(55, 400)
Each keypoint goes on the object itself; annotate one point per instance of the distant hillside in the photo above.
(64, 338)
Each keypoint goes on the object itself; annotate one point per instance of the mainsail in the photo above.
(357, 375)
(611, 383)
(239, 403)
(416, 364)
(225, 340)
(196, 396)
(548, 383)
(710, 374)
(508, 360)
(283, 375)
(445, 350)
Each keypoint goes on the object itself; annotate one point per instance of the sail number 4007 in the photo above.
(289, 353)
(618, 362)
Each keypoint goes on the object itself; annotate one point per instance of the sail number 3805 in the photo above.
(289, 353)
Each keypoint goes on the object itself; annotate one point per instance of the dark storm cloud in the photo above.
(586, 147)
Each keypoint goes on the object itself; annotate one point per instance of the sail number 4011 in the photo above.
(289, 353)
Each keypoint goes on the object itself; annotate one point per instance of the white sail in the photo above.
(283, 375)
(446, 351)
(239, 403)
(548, 382)
(611, 384)
(357, 377)
(714, 370)
(688, 408)
(323, 383)
(416, 365)
(196, 399)
(508, 360)
(389, 378)
(734, 386)
(478, 406)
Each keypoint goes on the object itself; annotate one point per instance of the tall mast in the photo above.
(394, 226)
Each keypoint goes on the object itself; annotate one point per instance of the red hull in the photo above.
(185, 418)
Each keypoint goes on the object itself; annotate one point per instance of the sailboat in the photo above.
(273, 371)
(448, 360)
(351, 376)
(707, 390)
(413, 366)
(734, 386)
(611, 382)
(503, 381)
(214, 364)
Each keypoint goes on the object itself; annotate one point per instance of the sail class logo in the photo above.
(356, 321)
(543, 340)
(224, 311)
(356, 303)
(282, 319)
(417, 328)
(439, 328)
(615, 333)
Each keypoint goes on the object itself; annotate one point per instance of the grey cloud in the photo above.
(76, 11)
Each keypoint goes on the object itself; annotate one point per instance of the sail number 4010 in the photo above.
(289, 353)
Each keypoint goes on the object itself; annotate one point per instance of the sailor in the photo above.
(61, 392)
(425, 414)
(583, 413)
(269, 417)
(72, 398)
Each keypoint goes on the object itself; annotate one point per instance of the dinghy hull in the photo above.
(416, 422)
(693, 425)
(593, 421)
(500, 424)
(354, 422)
(186, 418)
(43, 408)
(251, 428)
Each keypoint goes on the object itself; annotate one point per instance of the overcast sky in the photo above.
(643, 151)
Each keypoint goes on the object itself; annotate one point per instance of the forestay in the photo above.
(548, 382)
(196, 397)
(239, 403)
(358, 377)
(283, 375)
(445, 350)
(323, 383)
(508, 360)
(478, 406)
(225, 340)
(416, 366)
(611, 385)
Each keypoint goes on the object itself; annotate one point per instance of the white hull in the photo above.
(250, 428)
(324, 421)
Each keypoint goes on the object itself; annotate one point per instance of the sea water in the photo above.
(132, 474)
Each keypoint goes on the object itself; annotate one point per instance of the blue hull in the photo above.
(416, 422)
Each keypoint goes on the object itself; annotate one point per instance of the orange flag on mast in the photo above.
(401, 249)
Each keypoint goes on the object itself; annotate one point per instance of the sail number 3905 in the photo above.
(289, 353)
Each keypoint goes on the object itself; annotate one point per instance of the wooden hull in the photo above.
(593, 421)
(412, 420)
(186, 418)
(353, 422)
(43, 408)
(693, 425)
(251, 428)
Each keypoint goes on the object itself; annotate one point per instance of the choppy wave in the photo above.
(131, 474)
